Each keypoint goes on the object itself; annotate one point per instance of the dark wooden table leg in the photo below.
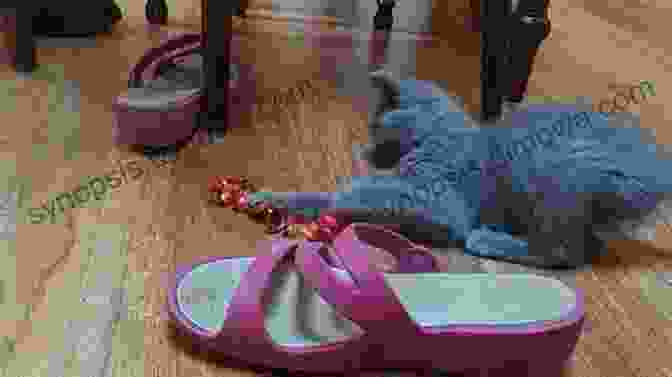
(24, 44)
(384, 17)
(217, 20)
(493, 56)
(529, 28)
(379, 44)
(156, 12)
(242, 7)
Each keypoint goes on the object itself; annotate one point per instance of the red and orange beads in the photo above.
(234, 192)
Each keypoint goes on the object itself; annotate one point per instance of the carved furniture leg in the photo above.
(530, 26)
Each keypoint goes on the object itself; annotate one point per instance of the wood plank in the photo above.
(166, 220)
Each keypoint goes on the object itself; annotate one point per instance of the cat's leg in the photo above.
(559, 222)
(563, 236)
(538, 223)
(294, 202)
(378, 200)
(503, 206)
(425, 211)
(421, 212)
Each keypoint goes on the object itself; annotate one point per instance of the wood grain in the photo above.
(304, 145)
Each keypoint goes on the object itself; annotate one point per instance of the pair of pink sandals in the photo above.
(373, 300)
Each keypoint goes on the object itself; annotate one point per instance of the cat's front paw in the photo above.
(267, 197)
(307, 204)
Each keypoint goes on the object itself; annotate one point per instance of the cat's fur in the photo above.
(559, 236)
(442, 181)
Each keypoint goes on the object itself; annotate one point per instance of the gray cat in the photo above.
(440, 179)
(558, 236)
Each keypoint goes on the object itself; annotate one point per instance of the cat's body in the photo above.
(559, 224)
(546, 177)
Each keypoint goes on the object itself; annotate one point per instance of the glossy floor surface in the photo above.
(68, 314)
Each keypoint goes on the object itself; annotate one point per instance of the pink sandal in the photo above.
(354, 316)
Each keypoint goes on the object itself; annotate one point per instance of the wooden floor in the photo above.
(162, 219)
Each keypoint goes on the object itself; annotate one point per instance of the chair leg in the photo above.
(474, 21)
(242, 7)
(529, 33)
(156, 12)
(494, 15)
(384, 17)
(24, 43)
(216, 60)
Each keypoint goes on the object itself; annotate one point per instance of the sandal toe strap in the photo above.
(365, 298)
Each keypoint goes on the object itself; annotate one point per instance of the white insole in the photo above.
(296, 315)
